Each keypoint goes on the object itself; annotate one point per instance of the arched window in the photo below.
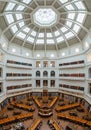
(52, 73)
(45, 73)
(38, 74)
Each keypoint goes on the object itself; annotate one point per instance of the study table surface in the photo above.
(35, 124)
(75, 119)
(60, 108)
(13, 118)
(55, 124)
(23, 106)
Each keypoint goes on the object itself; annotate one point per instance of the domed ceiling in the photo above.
(45, 24)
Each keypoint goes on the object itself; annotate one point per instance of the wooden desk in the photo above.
(63, 108)
(23, 106)
(13, 118)
(35, 124)
(55, 125)
(72, 118)
(53, 101)
(37, 101)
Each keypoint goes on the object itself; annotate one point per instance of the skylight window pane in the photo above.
(69, 7)
(60, 39)
(57, 33)
(40, 41)
(27, 1)
(76, 28)
(21, 35)
(20, 7)
(49, 35)
(21, 24)
(30, 39)
(63, 1)
(71, 15)
(10, 6)
(33, 33)
(69, 23)
(80, 5)
(69, 35)
(80, 17)
(9, 18)
(18, 16)
(63, 29)
(41, 35)
(26, 29)
(14, 29)
(50, 41)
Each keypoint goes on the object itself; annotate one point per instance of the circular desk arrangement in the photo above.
(45, 111)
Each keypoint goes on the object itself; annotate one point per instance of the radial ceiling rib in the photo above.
(14, 12)
(19, 31)
(68, 3)
(28, 34)
(17, 2)
(55, 42)
(35, 40)
(76, 11)
(71, 31)
(84, 28)
(54, 2)
(64, 38)
(45, 41)
(14, 23)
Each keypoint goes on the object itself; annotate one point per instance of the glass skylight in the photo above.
(21, 35)
(27, 1)
(41, 35)
(21, 24)
(60, 39)
(18, 16)
(57, 33)
(20, 8)
(26, 29)
(76, 28)
(40, 41)
(45, 24)
(80, 17)
(71, 15)
(49, 35)
(70, 7)
(10, 6)
(33, 33)
(63, 29)
(80, 5)
(50, 41)
(45, 17)
(63, 1)
(10, 18)
(30, 39)
(69, 35)
(69, 23)
(14, 29)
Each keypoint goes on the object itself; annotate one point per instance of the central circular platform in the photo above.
(45, 111)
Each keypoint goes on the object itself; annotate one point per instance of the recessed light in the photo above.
(38, 55)
(63, 54)
(27, 54)
(77, 50)
(3, 45)
(13, 50)
(52, 55)
(86, 45)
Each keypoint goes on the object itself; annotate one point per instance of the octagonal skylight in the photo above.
(45, 17)
(41, 24)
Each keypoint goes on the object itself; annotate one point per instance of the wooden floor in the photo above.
(45, 126)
